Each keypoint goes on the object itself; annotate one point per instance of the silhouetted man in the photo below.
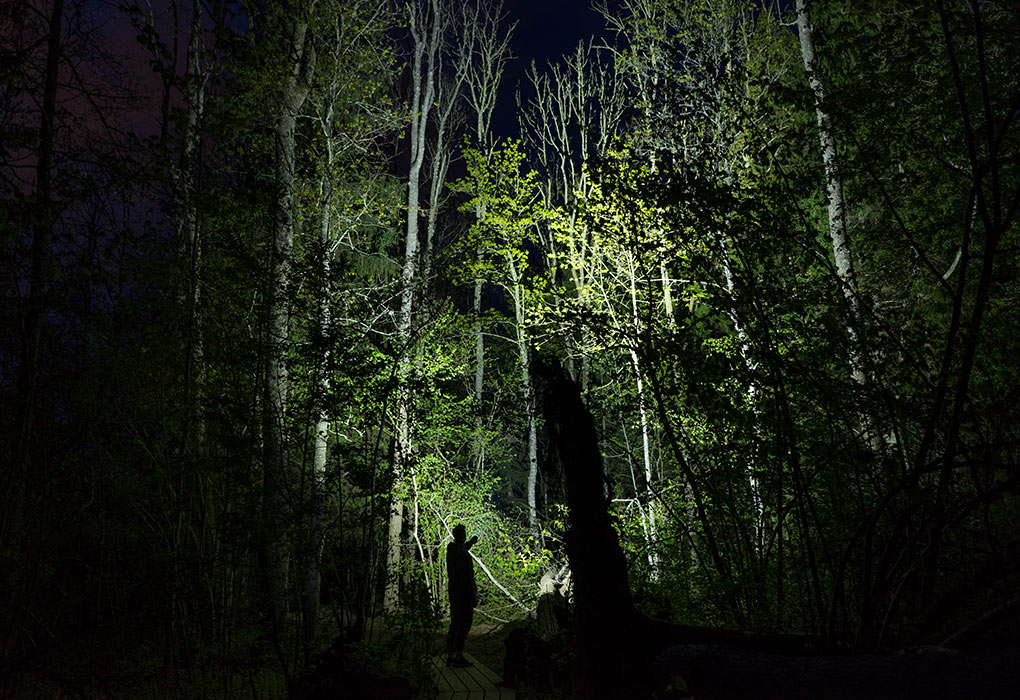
(460, 571)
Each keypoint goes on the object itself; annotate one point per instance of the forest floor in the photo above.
(113, 662)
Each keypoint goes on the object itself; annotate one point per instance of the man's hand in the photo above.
(472, 542)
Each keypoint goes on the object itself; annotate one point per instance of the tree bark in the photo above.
(751, 365)
(833, 186)
(188, 234)
(423, 76)
(276, 381)
(524, 354)
(479, 383)
(484, 55)
(605, 616)
(646, 452)
(615, 643)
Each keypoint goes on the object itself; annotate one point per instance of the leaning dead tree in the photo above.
(615, 643)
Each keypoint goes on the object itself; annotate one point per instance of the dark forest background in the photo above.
(276, 277)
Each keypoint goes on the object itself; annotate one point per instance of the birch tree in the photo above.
(833, 184)
(509, 196)
(487, 47)
(349, 114)
(298, 70)
(576, 109)
(428, 20)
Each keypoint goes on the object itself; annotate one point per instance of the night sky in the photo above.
(546, 29)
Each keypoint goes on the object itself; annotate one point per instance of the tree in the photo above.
(576, 110)
(63, 170)
(498, 185)
(298, 66)
(353, 72)
(427, 22)
(486, 52)
(833, 184)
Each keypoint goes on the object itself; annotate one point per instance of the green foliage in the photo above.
(505, 200)
(681, 268)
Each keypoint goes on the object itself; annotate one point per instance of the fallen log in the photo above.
(715, 672)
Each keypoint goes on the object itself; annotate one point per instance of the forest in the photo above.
(707, 328)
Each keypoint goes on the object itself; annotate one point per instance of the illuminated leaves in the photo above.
(505, 198)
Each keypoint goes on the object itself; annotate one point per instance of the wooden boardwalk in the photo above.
(476, 682)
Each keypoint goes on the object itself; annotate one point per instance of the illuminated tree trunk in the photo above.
(517, 293)
(529, 413)
(479, 384)
(446, 99)
(667, 295)
(646, 452)
(426, 37)
(576, 110)
(317, 528)
(276, 380)
(833, 185)
(752, 399)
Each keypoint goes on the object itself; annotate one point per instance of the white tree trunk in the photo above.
(524, 354)
(276, 381)
(649, 545)
(752, 400)
(532, 455)
(833, 185)
(646, 452)
(423, 76)
(479, 442)
(484, 52)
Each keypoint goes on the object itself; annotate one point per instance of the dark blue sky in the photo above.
(546, 29)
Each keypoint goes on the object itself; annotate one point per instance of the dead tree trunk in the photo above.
(615, 643)
(605, 617)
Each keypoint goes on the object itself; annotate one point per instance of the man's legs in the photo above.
(461, 616)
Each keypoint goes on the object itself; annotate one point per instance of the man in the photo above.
(460, 571)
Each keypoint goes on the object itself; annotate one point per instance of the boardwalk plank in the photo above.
(477, 682)
(450, 680)
(487, 673)
(482, 683)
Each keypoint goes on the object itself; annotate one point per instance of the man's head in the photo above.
(459, 533)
